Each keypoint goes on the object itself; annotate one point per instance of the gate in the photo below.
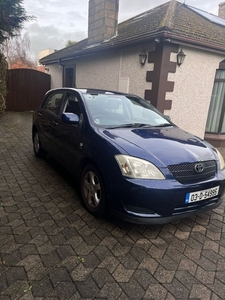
(26, 88)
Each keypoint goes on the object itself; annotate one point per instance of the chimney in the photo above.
(103, 20)
(221, 12)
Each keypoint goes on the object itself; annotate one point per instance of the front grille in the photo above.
(186, 173)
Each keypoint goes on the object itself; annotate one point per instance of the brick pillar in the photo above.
(102, 20)
(221, 12)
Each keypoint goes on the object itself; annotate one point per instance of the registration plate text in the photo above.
(201, 195)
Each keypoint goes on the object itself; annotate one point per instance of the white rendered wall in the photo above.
(193, 81)
(192, 91)
(104, 71)
(55, 71)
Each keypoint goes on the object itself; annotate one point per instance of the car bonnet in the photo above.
(162, 146)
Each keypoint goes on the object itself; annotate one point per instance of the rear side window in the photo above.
(53, 103)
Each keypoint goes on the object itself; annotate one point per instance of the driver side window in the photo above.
(53, 103)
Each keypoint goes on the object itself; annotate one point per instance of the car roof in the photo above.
(87, 91)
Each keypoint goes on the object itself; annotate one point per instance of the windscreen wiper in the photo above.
(131, 125)
(163, 125)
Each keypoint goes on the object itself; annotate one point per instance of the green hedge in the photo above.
(3, 88)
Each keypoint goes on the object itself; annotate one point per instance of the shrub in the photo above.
(3, 88)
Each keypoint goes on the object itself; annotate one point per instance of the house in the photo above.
(140, 56)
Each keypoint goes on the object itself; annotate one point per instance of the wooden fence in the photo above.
(26, 88)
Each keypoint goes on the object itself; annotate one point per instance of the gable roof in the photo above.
(172, 21)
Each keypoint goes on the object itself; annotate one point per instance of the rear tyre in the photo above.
(93, 190)
(38, 150)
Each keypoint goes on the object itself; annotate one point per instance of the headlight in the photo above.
(221, 160)
(138, 168)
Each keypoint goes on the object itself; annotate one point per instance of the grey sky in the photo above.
(58, 21)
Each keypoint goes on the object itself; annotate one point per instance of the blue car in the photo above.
(129, 159)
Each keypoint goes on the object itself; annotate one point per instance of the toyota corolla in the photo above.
(129, 159)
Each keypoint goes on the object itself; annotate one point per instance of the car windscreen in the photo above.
(112, 110)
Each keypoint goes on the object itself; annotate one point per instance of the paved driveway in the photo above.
(51, 248)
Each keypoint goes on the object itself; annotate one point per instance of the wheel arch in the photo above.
(84, 162)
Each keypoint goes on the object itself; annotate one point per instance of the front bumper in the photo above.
(161, 201)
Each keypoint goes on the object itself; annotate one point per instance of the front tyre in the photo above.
(38, 150)
(93, 190)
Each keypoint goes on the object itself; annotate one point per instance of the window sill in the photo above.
(216, 139)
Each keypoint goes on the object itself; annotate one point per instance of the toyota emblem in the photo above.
(199, 168)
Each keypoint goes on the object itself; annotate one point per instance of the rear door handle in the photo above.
(55, 123)
(39, 114)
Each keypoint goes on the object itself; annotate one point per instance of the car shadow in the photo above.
(112, 220)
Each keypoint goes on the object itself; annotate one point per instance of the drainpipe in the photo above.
(60, 64)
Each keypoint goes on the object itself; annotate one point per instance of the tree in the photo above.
(3, 91)
(12, 17)
(70, 43)
(16, 51)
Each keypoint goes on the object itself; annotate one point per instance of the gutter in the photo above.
(163, 36)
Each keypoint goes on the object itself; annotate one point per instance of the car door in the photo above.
(49, 115)
(68, 136)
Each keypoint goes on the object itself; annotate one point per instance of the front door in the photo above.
(69, 135)
(69, 77)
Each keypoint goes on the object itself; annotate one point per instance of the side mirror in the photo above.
(70, 118)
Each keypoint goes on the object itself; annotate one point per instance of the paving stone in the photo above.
(3, 282)
(149, 264)
(168, 263)
(88, 288)
(163, 275)
(177, 289)
(128, 261)
(29, 262)
(101, 277)
(65, 291)
(53, 249)
(42, 288)
(133, 289)
(14, 274)
(102, 252)
(110, 263)
(138, 253)
(210, 245)
(16, 289)
(46, 248)
(187, 279)
(220, 276)
(51, 259)
(156, 292)
(110, 291)
(200, 292)
(27, 249)
(211, 255)
(11, 259)
(144, 278)
(59, 275)
(69, 263)
(206, 264)
(80, 273)
(64, 251)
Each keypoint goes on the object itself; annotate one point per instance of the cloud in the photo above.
(44, 37)
(58, 21)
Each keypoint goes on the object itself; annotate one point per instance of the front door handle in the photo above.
(55, 123)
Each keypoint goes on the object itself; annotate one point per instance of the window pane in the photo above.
(223, 125)
(220, 74)
(215, 109)
(53, 102)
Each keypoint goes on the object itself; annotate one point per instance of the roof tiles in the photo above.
(170, 19)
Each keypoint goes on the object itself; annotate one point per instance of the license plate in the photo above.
(201, 195)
